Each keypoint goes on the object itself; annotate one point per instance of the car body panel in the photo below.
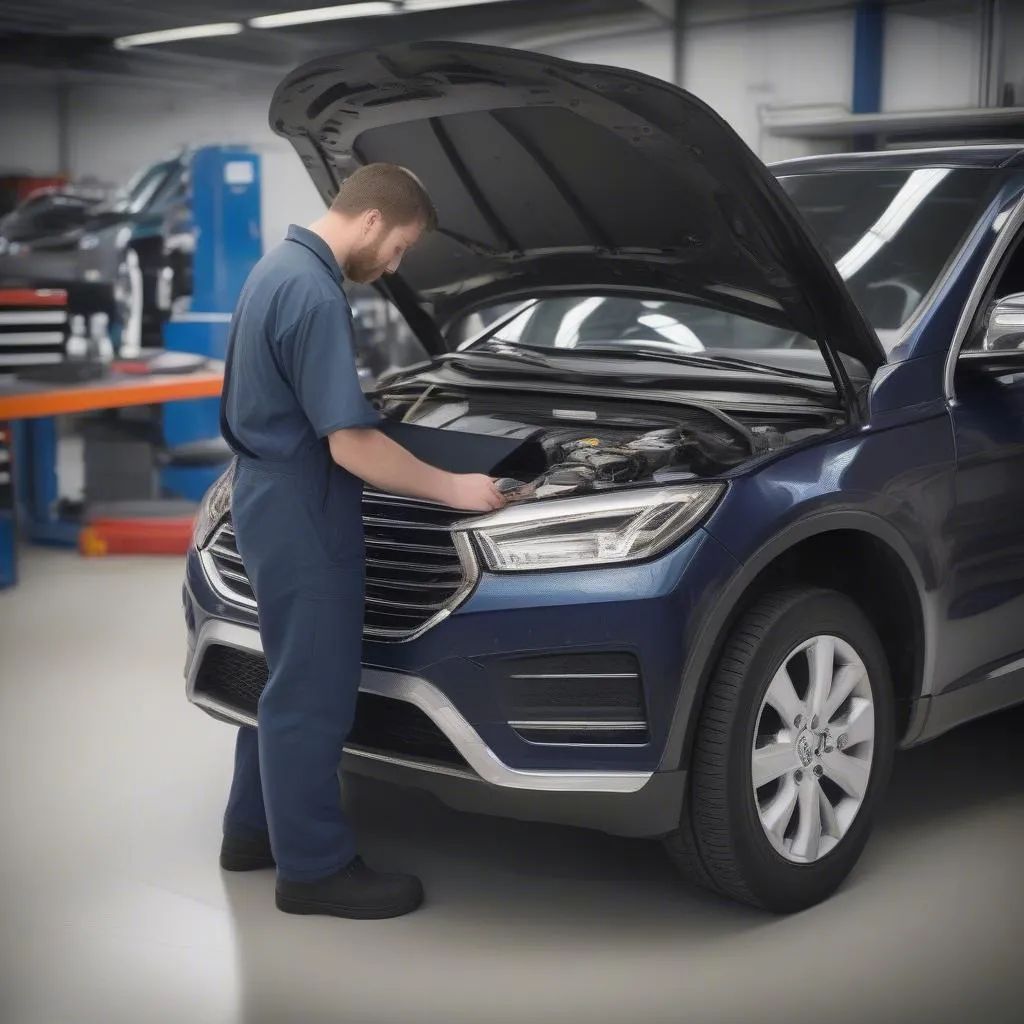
(621, 609)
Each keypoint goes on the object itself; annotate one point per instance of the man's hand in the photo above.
(473, 492)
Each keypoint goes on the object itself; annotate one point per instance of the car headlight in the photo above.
(213, 508)
(591, 531)
(89, 241)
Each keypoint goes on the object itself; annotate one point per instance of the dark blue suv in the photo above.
(762, 434)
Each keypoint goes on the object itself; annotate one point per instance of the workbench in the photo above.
(28, 430)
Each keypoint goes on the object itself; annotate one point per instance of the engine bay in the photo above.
(580, 461)
(604, 446)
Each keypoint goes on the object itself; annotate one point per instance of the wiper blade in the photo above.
(502, 351)
(687, 359)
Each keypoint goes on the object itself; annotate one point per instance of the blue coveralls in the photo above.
(290, 381)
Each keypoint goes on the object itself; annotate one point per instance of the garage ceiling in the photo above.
(74, 38)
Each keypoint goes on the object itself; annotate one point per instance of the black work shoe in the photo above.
(356, 891)
(246, 851)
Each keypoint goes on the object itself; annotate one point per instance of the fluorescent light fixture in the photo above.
(413, 6)
(372, 9)
(174, 35)
(364, 9)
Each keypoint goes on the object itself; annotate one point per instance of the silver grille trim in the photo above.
(437, 574)
(484, 763)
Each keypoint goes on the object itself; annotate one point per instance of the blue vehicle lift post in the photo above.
(868, 49)
(225, 200)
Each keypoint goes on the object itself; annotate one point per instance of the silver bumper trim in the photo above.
(486, 765)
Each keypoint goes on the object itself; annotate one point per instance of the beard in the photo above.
(364, 265)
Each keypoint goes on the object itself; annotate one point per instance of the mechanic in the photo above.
(305, 441)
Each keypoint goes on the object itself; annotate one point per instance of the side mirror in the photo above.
(1004, 330)
(1002, 348)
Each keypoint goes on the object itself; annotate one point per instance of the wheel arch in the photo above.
(904, 605)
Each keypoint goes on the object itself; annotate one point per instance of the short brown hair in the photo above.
(393, 190)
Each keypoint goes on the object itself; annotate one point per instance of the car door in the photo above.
(984, 643)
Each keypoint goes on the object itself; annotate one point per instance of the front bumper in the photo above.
(450, 680)
(54, 268)
(90, 289)
(635, 803)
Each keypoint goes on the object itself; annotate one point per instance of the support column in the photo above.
(64, 129)
(868, 43)
(678, 23)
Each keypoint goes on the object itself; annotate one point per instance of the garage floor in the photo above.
(113, 909)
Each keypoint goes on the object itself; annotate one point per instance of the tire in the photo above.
(721, 842)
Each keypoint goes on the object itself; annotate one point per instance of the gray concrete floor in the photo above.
(113, 908)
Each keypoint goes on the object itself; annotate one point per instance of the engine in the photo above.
(580, 462)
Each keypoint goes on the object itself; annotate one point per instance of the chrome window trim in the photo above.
(486, 764)
(871, 154)
(1007, 234)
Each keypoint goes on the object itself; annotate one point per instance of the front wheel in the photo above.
(792, 753)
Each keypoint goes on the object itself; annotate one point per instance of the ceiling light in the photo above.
(372, 9)
(413, 6)
(174, 35)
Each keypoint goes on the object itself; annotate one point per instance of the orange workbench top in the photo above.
(30, 400)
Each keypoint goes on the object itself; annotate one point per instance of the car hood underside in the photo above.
(549, 175)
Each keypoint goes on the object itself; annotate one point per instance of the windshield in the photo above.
(144, 187)
(891, 231)
(595, 321)
(623, 325)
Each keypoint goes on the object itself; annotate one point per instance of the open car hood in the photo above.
(549, 174)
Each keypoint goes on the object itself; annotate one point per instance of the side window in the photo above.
(1008, 280)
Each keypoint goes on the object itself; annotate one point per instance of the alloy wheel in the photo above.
(813, 749)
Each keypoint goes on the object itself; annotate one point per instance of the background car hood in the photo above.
(93, 223)
(551, 174)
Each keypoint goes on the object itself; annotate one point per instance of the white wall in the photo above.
(1012, 50)
(29, 130)
(931, 59)
(737, 66)
(932, 56)
(793, 60)
(113, 131)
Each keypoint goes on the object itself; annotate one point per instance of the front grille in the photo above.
(382, 725)
(235, 678)
(413, 568)
(226, 563)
